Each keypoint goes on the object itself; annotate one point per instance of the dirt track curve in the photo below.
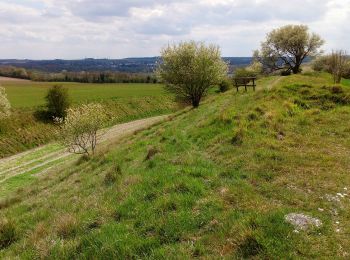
(41, 159)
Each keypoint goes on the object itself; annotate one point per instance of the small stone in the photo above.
(280, 137)
(331, 198)
(337, 222)
(337, 230)
(320, 209)
(301, 221)
(340, 195)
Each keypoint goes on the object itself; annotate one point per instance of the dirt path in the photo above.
(274, 83)
(41, 159)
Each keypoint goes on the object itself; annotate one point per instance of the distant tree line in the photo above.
(82, 76)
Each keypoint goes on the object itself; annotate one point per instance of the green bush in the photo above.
(57, 101)
(243, 72)
(320, 64)
(225, 85)
(7, 233)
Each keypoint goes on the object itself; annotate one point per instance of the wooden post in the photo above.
(253, 84)
(245, 84)
(236, 84)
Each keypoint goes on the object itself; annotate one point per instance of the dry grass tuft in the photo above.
(66, 226)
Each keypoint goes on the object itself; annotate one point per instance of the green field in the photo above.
(123, 102)
(24, 94)
(213, 181)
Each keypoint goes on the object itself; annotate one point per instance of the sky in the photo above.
(74, 29)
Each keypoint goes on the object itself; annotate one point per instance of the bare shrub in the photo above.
(338, 64)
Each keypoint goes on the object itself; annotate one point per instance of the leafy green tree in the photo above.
(5, 106)
(189, 69)
(57, 100)
(287, 47)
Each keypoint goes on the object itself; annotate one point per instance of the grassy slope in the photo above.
(124, 102)
(220, 184)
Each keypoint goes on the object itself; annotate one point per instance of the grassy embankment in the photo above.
(124, 102)
(211, 182)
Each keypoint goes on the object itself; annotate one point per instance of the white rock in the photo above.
(301, 221)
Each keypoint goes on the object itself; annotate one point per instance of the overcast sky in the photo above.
(70, 29)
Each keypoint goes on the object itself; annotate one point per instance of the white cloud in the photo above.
(108, 28)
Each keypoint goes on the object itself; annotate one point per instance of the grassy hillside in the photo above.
(212, 182)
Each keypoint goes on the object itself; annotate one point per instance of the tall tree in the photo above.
(287, 47)
(189, 69)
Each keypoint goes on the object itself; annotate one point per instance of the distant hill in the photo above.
(134, 65)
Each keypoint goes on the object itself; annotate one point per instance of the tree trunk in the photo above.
(296, 69)
(195, 102)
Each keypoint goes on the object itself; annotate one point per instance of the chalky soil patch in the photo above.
(302, 222)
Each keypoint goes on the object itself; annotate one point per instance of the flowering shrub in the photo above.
(79, 130)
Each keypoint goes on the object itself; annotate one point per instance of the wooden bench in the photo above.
(245, 82)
